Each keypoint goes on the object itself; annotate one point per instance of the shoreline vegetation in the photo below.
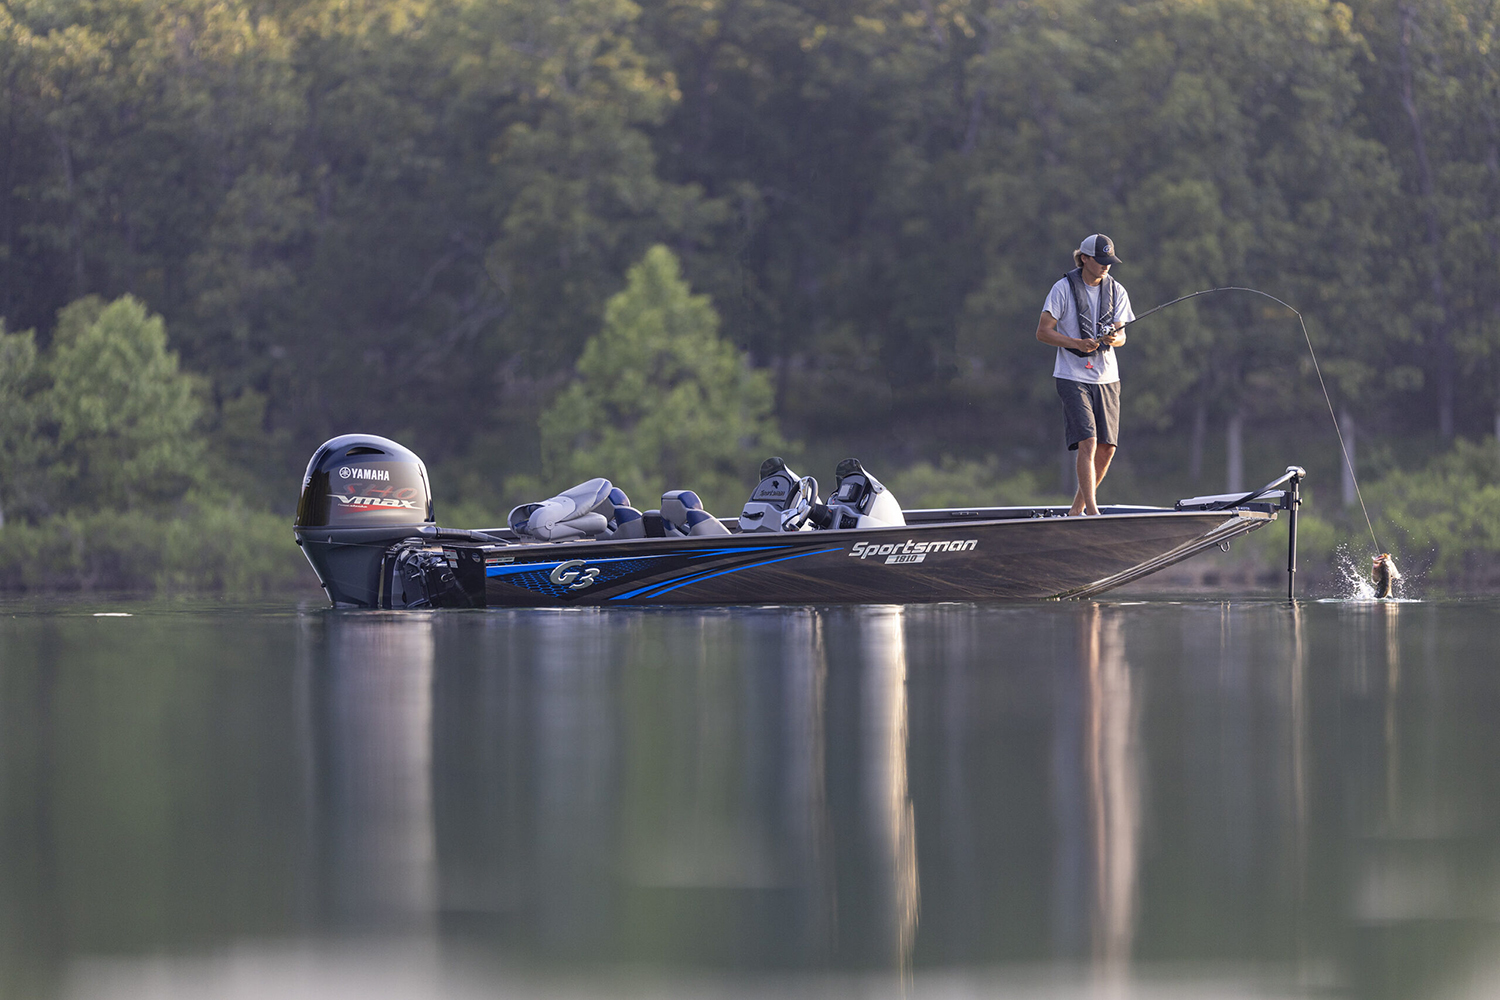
(169, 512)
(1440, 522)
(118, 478)
(660, 240)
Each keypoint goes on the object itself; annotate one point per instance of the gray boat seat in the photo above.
(859, 501)
(782, 501)
(629, 523)
(583, 511)
(683, 510)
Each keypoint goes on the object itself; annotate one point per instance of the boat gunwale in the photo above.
(820, 537)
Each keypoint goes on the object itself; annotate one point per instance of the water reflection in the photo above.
(1112, 763)
(884, 801)
(1300, 766)
(1390, 612)
(376, 684)
(888, 806)
(659, 791)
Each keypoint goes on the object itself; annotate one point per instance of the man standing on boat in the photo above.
(1083, 318)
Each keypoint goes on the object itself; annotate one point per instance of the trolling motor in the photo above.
(1267, 498)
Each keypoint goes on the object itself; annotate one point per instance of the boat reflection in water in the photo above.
(889, 815)
(728, 789)
(375, 698)
(661, 793)
(1072, 800)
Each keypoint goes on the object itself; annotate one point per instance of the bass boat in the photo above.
(366, 523)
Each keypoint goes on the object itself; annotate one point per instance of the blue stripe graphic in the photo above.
(520, 568)
(699, 554)
(670, 585)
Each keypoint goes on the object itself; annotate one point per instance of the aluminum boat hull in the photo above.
(1007, 559)
(366, 523)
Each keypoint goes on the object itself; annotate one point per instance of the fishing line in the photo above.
(1311, 353)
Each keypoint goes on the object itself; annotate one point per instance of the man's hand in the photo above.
(1048, 333)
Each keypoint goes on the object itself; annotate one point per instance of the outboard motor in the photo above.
(859, 501)
(360, 496)
(781, 502)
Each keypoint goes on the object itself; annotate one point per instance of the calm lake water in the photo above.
(1123, 798)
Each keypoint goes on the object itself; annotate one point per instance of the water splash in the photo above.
(1352, 573)
(1353, 576)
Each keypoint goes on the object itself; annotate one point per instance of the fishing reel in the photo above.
(1102, 346)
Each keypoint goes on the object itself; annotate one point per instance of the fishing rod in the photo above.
(1348, 463)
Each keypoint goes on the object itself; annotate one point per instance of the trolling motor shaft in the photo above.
(1291, 499)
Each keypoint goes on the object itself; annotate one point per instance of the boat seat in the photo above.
(683, 510)
(782, 501)
(629, 523)
(583, 511)
(859, 501)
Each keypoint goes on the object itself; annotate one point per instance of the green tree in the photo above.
(20, 447)
(125, 419)
(1431, 96)
(1220, 139)
(482, 174)
(834, 132)
(661, 401)
(1447, 514)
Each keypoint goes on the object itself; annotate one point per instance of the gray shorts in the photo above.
(1091, 410)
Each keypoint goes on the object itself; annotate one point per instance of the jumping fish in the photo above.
(1385, 574)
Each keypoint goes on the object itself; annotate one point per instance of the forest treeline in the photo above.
(407, 217)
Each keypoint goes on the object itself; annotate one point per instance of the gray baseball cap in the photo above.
(1101, 248)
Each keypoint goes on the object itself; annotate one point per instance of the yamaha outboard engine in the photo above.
(782, 500)
(361, 495)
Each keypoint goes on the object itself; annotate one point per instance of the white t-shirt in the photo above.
(1100, 366)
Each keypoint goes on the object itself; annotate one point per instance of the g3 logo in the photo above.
(569, 575)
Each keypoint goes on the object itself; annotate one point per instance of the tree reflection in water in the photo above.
(886, 800)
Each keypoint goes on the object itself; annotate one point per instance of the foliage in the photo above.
(207, 544)
(956, 483)
(106, 472)
(1446, 515)
(124, 418)
(20, 448)
(408, 218)
(661, 400)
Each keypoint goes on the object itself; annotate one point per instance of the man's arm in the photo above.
(1048, 333)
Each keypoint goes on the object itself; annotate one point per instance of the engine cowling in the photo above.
(362, 481)
(360, 495)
